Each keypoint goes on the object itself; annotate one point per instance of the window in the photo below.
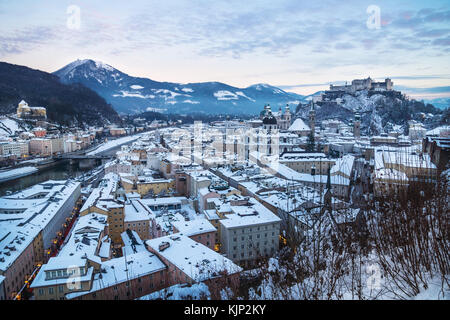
(41, 292)
(50, 290)
(61, 289)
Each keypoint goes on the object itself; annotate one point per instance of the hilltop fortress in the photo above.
(336, 92)
(24, 111)
(364, 84)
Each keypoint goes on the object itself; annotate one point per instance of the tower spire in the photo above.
(312, 118)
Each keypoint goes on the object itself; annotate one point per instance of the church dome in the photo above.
(269, 119)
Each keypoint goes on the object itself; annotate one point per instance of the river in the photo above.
(62, 170)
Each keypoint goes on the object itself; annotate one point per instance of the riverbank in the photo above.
(17, 173)
(55, 170)
(114, 144)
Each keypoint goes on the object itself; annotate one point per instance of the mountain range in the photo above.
(130, 94)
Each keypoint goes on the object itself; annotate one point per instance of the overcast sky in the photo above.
(300, 46)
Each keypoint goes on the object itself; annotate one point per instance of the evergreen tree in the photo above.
(310, 144)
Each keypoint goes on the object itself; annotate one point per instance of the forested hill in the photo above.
(66, 103)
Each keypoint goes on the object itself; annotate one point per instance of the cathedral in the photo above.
(278, 120)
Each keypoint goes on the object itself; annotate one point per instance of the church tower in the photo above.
(312, 118)
(357, 125)
(287, 116)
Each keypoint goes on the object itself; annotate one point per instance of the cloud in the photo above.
(22, 40)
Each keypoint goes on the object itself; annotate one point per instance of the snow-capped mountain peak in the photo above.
(133, 95)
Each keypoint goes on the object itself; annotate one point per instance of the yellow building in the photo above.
(25, 111)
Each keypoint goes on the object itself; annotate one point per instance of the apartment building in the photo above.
(311, 163)
(27, 240)
(249, 231)
(189, 261)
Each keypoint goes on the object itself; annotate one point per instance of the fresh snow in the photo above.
(114, 143)
(240, 93)
(191, 101)
(12, 174)
(299, 125)
(225, 95)
(196, 291)
(8, 127)
(134, 95)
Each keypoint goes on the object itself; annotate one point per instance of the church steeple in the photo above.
(357, 124)
(287, 115)
(312, 118)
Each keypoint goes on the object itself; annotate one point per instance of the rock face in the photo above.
(131, 95)
(380, 110)
(65, 103)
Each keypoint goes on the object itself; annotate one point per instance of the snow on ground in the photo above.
(126, 94)
(191, 101)
(187, 90)
(181, 292)
(8, 127)
(225, 95)
(11, 174)
(155, 109)
(114, 143)
(102, 65)
(136, 87)
(434, 292)
(168, 92)
(240, 93)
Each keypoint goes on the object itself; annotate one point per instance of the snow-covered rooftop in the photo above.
(24, 214)
(194, 227)
(299, 125)
(196, 260)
